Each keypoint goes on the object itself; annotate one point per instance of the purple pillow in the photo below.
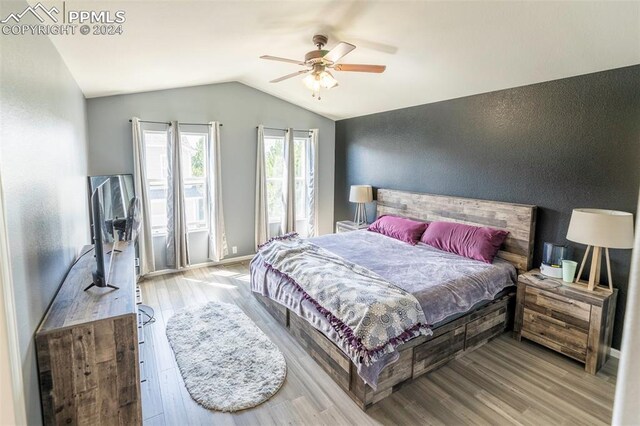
(474, 242)
(400, 228)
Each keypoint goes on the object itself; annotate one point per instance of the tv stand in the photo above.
(102, 286)
(99, 281)
(89, 348)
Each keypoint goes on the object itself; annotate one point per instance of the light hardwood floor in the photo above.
(503, 382)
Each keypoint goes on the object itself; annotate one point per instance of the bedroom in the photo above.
(502, 115)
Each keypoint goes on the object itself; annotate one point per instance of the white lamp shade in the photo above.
(361, 194)
(601, 228)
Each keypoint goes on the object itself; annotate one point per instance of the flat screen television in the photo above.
(117, 195)
(110, 198)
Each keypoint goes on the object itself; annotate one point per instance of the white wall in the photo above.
(627, 399)
(240, 109)
(43, 157)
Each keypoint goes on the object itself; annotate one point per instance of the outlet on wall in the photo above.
(234, 249)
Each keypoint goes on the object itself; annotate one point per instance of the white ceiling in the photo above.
(433, 50)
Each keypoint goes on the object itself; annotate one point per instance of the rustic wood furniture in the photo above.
(87, 347)
(349, 225)
(566, 317)
(450, 340)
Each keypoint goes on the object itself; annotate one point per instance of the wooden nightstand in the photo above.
(348, 225)
(566, 317)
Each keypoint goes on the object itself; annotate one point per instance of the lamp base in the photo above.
(360, 217)
(594, 273)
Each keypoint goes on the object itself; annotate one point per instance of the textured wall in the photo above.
(240, 109)
(562, 144)
(43, 158)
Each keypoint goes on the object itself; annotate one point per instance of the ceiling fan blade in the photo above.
(339, 51)
(275, 58)
(360, 68)
(293, 74)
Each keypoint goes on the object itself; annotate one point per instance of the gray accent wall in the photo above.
(43, 162)
(240, 109)
(561, 144)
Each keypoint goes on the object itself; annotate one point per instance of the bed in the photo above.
(465, 302)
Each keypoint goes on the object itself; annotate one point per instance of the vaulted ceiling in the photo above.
(433, 50)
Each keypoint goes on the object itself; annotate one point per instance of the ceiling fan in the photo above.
(318, 62)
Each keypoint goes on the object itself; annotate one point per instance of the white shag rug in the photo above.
(227, 362)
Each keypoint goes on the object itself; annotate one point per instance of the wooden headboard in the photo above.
(518, 219)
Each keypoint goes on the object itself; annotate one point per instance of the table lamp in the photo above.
(598, 229)
(361, 194)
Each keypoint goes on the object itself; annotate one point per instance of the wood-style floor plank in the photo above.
(503, 382)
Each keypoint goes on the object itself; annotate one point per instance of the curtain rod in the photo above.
(169, 123)
(284, 130)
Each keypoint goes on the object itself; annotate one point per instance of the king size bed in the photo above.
(376, 312)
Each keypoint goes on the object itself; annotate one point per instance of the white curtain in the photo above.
(218, 248)
(177, 232)
(289, 185)
(145, 238)
(262, 217)
(627, 400)
(311, 151)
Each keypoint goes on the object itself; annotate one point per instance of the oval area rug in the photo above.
(226, 361)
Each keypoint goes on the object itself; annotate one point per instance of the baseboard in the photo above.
(201, 265)
(614, 353)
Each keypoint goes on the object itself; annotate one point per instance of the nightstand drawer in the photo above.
(559, 333)
(577, 355)
(555, 306)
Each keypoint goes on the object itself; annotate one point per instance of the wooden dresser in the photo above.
(566, 317)
(87, 347)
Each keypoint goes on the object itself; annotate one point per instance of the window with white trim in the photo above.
(155, 143)
(194, 175)
(274, 165)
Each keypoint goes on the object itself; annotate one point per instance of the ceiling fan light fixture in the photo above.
(319, 80)
(326, 80)
(312, 82)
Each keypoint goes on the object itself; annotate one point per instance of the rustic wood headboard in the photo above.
(518, 219)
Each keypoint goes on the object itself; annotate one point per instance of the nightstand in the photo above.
(348, 225)
(566, 317)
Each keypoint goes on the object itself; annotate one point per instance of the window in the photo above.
(194, 174)
(300, 167)
(155, 143)
(194, 178)
(274, 162)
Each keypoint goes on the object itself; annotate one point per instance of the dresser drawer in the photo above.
(555, 333)
(558, 307)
